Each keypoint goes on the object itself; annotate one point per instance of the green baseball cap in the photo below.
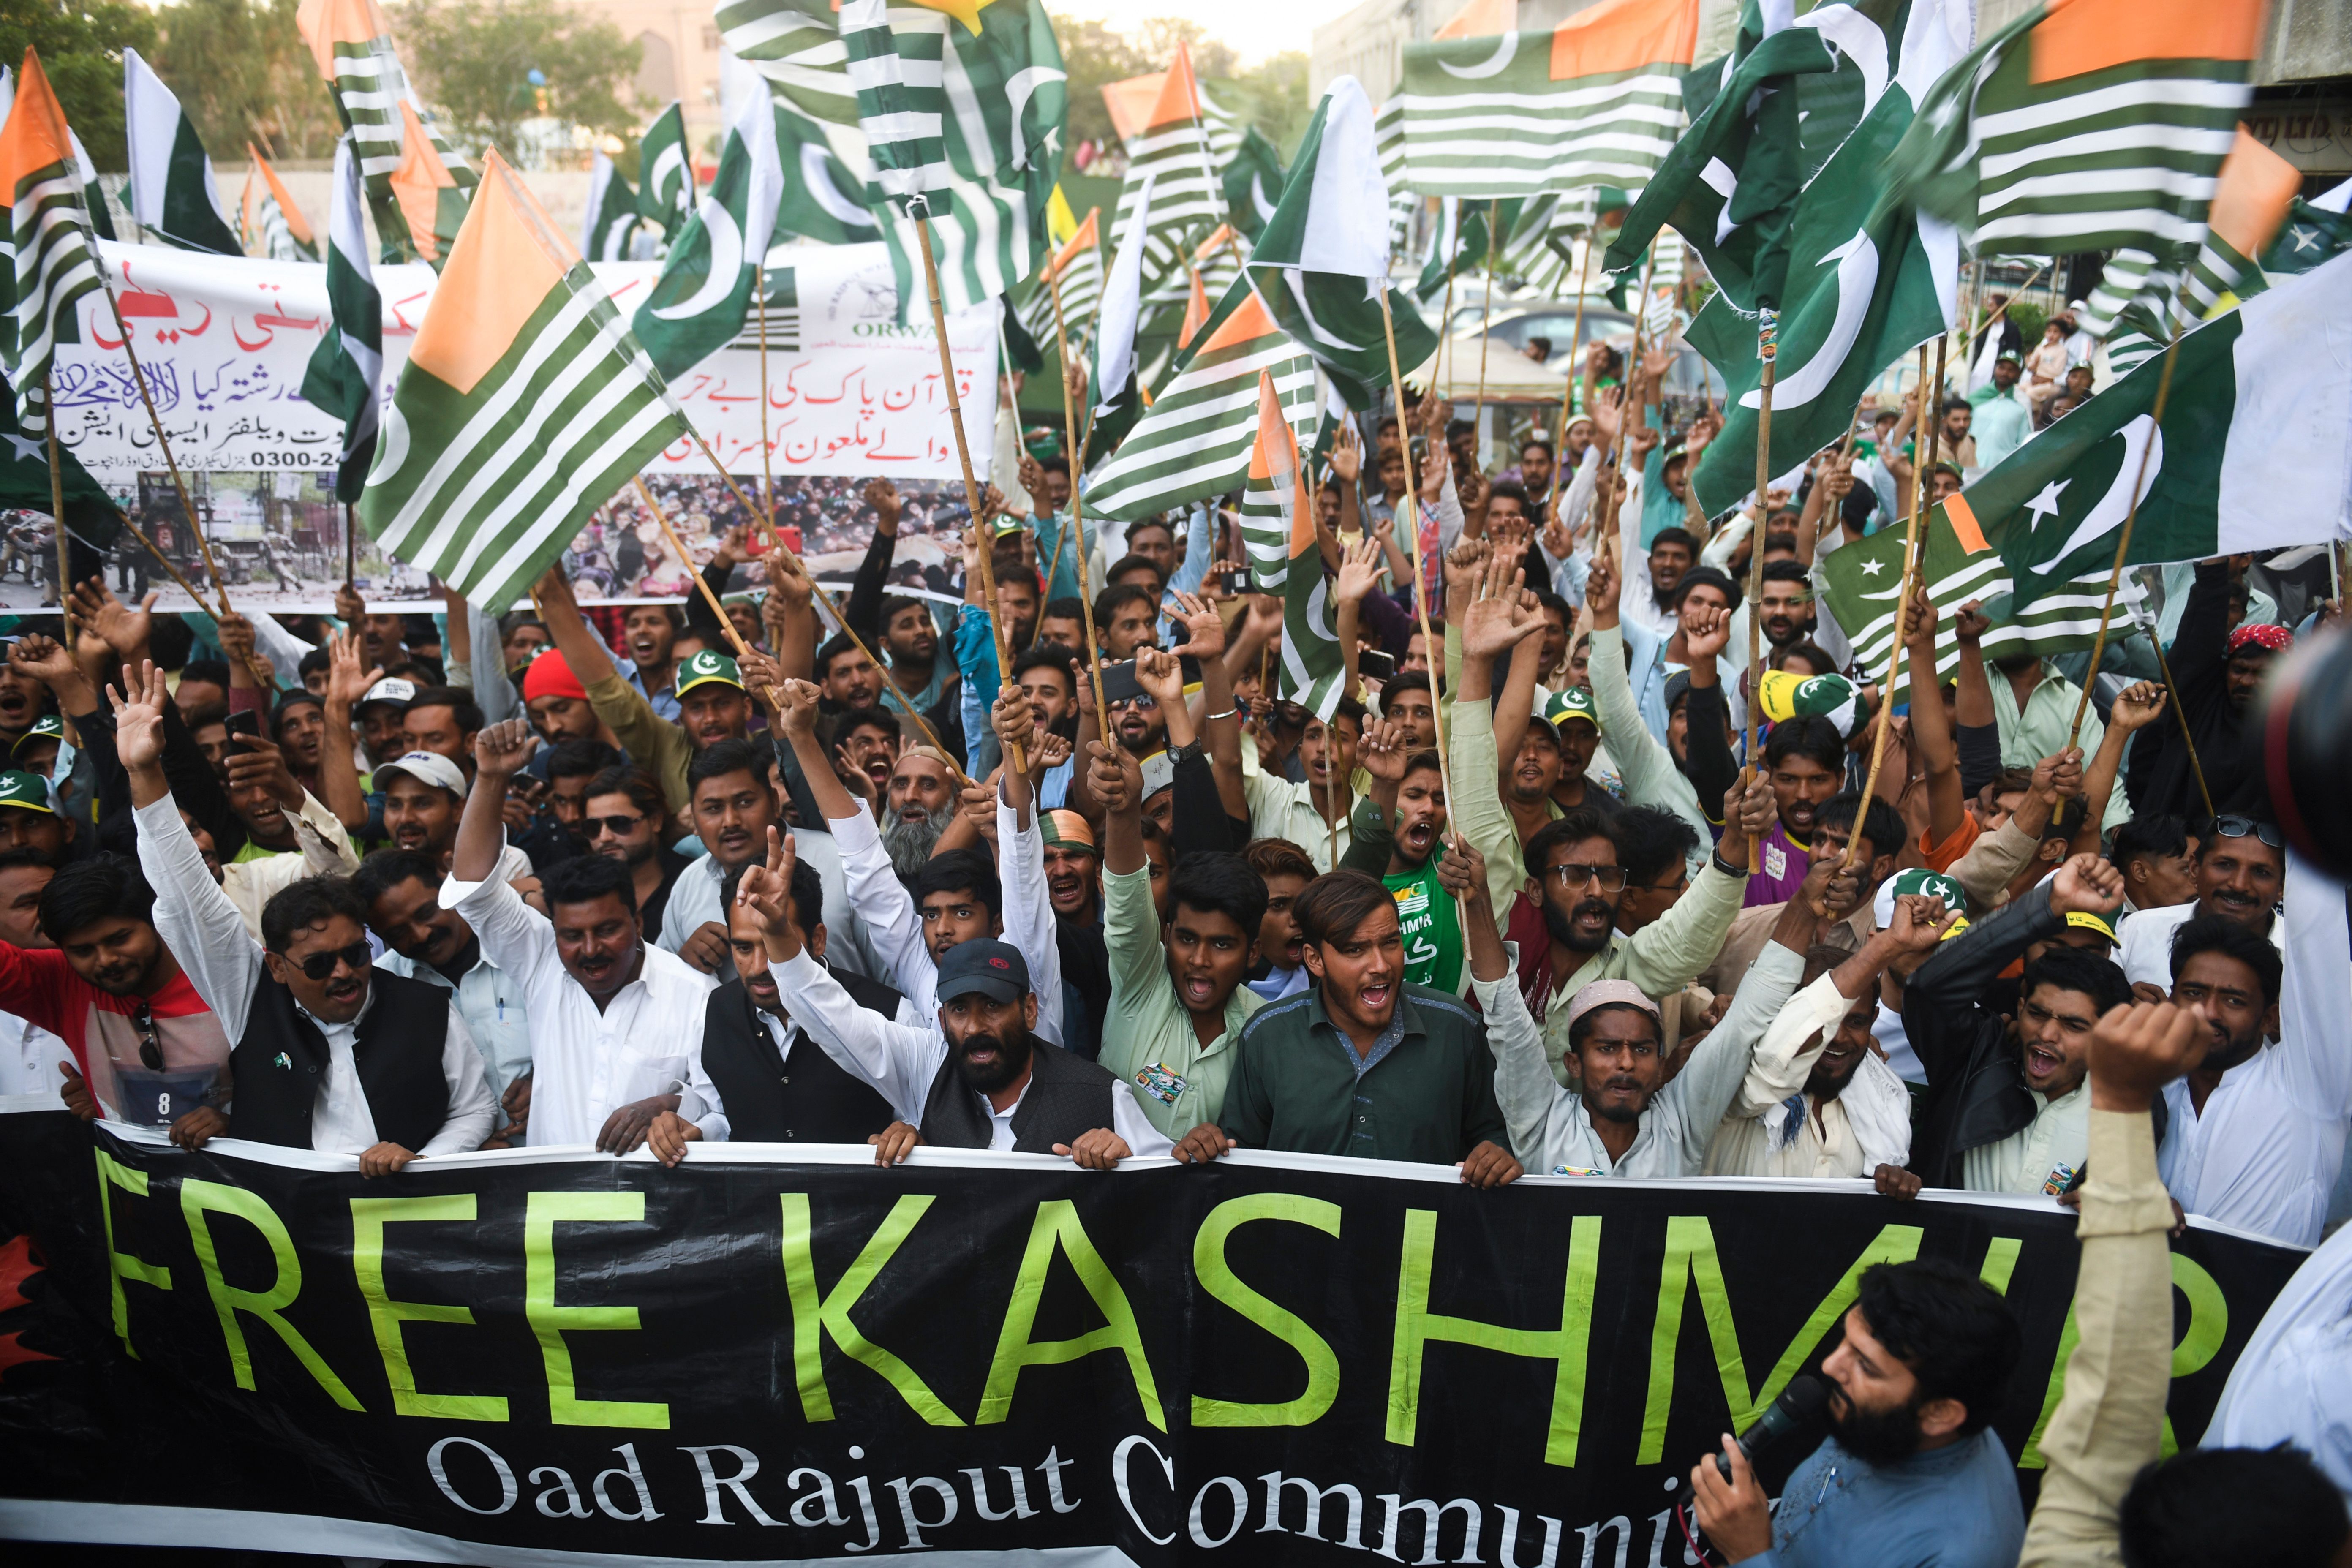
(706, 666)
(48, 727)
(26, 792)
(1921, 880)
(1576, 702)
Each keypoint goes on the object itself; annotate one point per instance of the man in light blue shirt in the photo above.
(1911, 1472)
(2002, 421)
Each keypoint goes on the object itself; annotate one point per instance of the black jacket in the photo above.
(278, 1066)
(809, 1099)
(1067, 1098)
(2228, 743)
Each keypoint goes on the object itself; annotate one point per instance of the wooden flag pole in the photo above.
(767, 457)
(2123, 540)
(1000, 634)
(1568, 391)
(1628, 408)
(58, 517)
(1419, 576)
(1485, 321)
(350, 545)
(1076, 527)
(1767, 328)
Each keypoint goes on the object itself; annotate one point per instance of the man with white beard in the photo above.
(918, 804)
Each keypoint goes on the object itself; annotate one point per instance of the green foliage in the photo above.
(2029, 319)
(81, 49)
(1095, 57)
(243, 74)
(1271, 95)
(472, 63)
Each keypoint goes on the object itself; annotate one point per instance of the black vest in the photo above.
(278, 1064)
(1067, 1097)
(810, 1098)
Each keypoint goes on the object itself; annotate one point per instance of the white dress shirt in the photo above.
(694, 902)
(30, 1056)
(2264, 1153)
(1773, 1129)
(587, 1062)
(203, 930)
(901, 1063)
(896, 926)
(2292, 1382)
(2145, 945)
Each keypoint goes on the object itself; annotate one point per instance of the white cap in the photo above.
(390, 689)
(426, 767)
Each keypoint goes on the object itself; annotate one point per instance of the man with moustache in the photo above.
(422, 794)
(733, 807)
(919, 801)
(982, 1077)
(1786, 605)
(616, 1022)
(330, 1054)
(777, 1084)
(2241, 875)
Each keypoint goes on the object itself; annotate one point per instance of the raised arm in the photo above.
(2136, 708)
(499, 751)
(1931, 726)
(349, 675)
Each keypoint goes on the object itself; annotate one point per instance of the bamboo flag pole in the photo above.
(2123, 540)
(57, 518)
(1077, 525)
(1412, 499)
(1000, 634)
(1568, 390)
(2164, 667)
(1485, 320)
(1906, 583)
(1768, 327)
(767, 460)
(1628, 409)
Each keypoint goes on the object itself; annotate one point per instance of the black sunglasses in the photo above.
(151, 1045)
(319, 965)
(618, 827)
(2244, 827)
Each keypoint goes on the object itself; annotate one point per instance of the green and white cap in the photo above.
(1921, 880)
(48, 726)
(706, 666)
(1576, 702)
(27, 792)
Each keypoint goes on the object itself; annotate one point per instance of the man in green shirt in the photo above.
(1177, 1000)
(1999, 419)
(1363, 1063)
(1409, 799)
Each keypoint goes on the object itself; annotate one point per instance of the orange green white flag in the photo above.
(270, 222)
(1278, 529)
(55, 260)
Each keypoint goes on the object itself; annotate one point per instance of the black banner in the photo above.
(1274, 1359)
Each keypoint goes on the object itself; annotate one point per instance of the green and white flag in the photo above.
(2250, 455)
(173, 194)
(2316, 232)
(54, 260)
(351, 40)
(697, 304)
(1596, 100)
(2093, 125)
(524, 405)
(269, 219)
(824, 179)
(1284, 559)
(665, 174)
(1111, 385)
(1252, 182)
(345, 376)
(797, 47)
(1195, 439)
(1078, 269)
(1867, 283)
(1763, 122)
(1388, 135)
(900, 104)
(1168, 157)
(612, 214)
(1324, 253)
(1461, 241)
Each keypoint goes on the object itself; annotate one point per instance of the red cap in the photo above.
(549, 676)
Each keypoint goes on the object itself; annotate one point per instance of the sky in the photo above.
(1254, 27)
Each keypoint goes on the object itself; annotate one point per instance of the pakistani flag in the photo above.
(1196, 438)
(665, 174)
(2093, 125)
(351, 40)
(1253, 183)
(1325, 251)
(612, 215)
(1169, 158)
(1764, 119)
(2249, 455)
(1278, 528)
(54, 260)
(172, 195)
(1596, 100)
(707, 280)
(824, 179)
(1460, 242)
(524, 405)
(345, 376)
(2316, 232)
(1867, 284)
(270, 221)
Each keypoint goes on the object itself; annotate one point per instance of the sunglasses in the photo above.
(151, 1045)
(1146, 702)
(319, 965)
(1575, 873)
(2246, 827)
(618, 827)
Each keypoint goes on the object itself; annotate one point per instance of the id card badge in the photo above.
(152, 1099)
(2061, 1174)
(1160, 1084)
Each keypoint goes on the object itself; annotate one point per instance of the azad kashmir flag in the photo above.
(1325, 251)
(345, 374)
(2249, 456)
(2251, 203)
(1596, 100)
(964, 115)
(1076, 270)
(2088, 126)
(352, 42)
(1867, 282)
(666, 168)
(1195, 439)
(1279, 530)
(92, 516)
(1388, 135)
(612, 215)
(272, 222)
(697, 304)
(1171, 170)
(524, 405)
(1764, 119)
(172, 195)
(53, 262)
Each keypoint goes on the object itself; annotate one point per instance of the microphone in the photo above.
(1799, 1415)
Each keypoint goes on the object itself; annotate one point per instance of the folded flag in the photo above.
(1325, 251)
(173, 194)
(611, 221)
(709, 276)
(1596, 100)
(345, 376)
(92, 515)
(2252, 198)
(1388, 135)
(2087, 125)
(1252, 182)
(1077, 269)
(272, 222)
(1112, 388)
(351, 40)
(1279, 530)
(54, 259)
(665, 174)
(1784, 695)
(525, 404)
(2316, 232)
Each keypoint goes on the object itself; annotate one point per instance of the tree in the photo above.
(81, 51)
(473, 63)
(1271, 95)
(1095, 57)
(243, 73)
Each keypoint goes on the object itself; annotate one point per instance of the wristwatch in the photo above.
(1727, 867)
(1185, 752)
